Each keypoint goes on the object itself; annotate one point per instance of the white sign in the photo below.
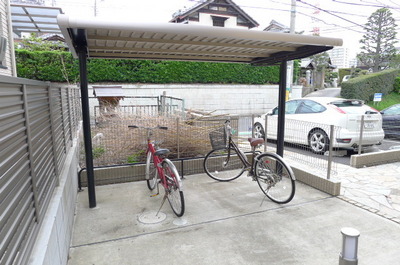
(378, 97)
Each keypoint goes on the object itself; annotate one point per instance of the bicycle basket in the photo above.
(218, 138)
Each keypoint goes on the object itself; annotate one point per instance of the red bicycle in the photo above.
(160, 169)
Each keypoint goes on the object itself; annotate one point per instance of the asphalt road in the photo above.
(342, 156)
(327, 92)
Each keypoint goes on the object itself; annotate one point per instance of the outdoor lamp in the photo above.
(348, 256)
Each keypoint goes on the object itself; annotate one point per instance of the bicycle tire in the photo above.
(218, 167)
(174, 188)
(151, 172)
(274, 177)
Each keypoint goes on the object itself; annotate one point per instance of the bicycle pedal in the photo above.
(154, 195)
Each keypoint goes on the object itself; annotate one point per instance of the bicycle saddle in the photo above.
(161, 152)
(255, 141)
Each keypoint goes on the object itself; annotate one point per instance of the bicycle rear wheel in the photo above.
(275, 177)
(174, 188)
(151, 172)
(219, 166)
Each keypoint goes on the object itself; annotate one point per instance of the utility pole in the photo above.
(290, 65)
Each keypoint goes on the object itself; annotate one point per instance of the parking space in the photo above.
(225, 223)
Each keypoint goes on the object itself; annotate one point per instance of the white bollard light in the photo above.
(348, 256)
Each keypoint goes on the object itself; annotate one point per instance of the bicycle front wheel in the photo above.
(219, 166)
(151, 172)
(174, 188)
(275, 177)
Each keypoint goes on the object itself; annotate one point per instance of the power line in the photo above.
(333, 24)
(370, 4)
(330, 13)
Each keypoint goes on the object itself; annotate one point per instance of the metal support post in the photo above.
(86, 121)
(281, 109)
(331, 135)
(252, 122)
(361, 134)
(265, 133)
(178, 132)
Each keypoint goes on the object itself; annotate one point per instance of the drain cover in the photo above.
(152, 217)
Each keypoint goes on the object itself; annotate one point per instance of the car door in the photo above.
(391, 121)
(308, 115)
(290, 109)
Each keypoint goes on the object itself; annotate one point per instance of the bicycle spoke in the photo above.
(275, 178)
(219, 166)
(173, 188)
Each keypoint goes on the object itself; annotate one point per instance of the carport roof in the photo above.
(106, 38)
(29, 18)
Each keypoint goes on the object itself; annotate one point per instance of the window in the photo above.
(309, 106)
(394, 110)
(3, 49)
(291, 106)
(3, 44)
(218, 21)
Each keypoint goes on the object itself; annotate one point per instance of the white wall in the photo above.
(4, 31)
(206, 19)
(222, 99)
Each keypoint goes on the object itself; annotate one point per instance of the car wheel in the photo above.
(258, 131)
(318, 141)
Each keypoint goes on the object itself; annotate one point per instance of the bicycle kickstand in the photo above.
(162, 203)
(158, 192)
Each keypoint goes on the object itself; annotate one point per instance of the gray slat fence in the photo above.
(37, 124)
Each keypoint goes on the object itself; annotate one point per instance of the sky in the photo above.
(334, 18)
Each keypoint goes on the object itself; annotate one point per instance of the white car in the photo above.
(308, 120)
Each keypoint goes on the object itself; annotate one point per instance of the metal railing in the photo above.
(38, 122)
(139, 105)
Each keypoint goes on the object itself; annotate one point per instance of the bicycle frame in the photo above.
(156, 159)
(241, 154)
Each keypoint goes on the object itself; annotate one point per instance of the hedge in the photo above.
(396, 85)
(365, 86)
(57, 66)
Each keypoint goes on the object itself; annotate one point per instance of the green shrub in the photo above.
(59, 66)
(98, 152)
(343, 72)
(136, 157)
(365, 86)
(396, 84)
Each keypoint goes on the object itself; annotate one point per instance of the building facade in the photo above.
(217, 13)
(340, 57)
(7, 59)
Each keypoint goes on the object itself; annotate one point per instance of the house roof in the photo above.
(182, 14)
(275, 26)
(107, 38)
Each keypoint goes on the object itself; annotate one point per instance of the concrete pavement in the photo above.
(233, 223)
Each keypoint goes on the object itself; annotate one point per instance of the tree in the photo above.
(34, 43)
(395, 61)
(321, 62)
(379, 40)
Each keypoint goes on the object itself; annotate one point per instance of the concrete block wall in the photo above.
(222, 99)
(376, 158)
(53, 241)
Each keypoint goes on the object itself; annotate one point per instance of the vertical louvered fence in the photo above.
(37, 124)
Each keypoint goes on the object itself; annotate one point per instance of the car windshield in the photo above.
(394, 110)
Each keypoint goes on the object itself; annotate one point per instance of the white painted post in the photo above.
(348, 256)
